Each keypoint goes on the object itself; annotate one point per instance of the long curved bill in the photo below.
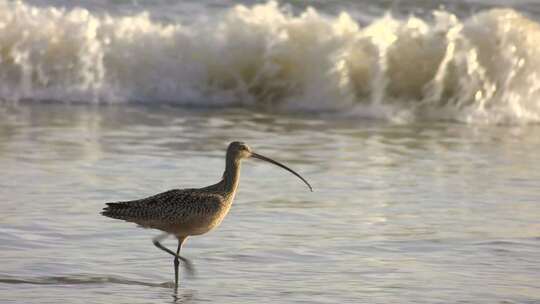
(282, 166)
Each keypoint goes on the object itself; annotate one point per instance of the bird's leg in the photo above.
(187, 263)
(176, 262)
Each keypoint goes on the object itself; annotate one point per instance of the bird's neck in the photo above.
(231, 176)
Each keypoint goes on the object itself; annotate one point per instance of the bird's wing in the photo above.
(173, 206)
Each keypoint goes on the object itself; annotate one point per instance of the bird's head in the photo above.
(238, 150)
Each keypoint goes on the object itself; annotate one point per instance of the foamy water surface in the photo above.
(477, 67)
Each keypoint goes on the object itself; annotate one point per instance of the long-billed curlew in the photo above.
(187, 212)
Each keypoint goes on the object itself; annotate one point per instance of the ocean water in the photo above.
(417, 123)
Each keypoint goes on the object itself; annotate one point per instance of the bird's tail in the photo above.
(118, 210)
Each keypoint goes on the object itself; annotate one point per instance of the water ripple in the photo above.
(78, 280)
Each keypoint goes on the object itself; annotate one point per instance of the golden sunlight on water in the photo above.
(418, 213)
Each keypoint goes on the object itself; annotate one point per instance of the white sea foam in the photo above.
(480, 69)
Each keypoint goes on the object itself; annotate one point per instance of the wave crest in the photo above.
(479, 69)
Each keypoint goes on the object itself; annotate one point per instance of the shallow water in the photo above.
(425, 212)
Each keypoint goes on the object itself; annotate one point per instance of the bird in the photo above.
(189, 212)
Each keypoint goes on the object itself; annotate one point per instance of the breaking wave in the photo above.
(484, 68)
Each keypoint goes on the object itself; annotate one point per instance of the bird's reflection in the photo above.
(181, 295)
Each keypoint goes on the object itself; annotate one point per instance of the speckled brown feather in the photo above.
(178, 211)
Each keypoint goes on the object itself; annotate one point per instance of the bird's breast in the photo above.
(203, 223)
